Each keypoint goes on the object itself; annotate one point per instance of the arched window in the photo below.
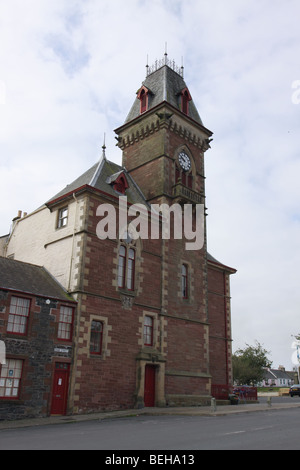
(143, 96)
(143, 101)
(122, 266)
(148, 331)
(126, 267)
(185, 103)
(184, 169)
(130, 269)
(186, 178)
(185, 98)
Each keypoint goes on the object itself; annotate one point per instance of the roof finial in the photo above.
(103, 148)
(147, 67)
(166, 53)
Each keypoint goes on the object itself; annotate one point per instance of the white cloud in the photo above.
(70, 71)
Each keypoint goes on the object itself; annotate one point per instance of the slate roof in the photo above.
(276, 374)
(30, 279)
(165, 85)
(215, 261)
(100, 176)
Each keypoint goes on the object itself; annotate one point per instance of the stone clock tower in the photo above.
(152, 319)
(163, 141)
(163, 138)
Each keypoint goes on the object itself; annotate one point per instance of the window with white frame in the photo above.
(62, 217)
(18, 315)
(65, 323)
(126, 268)
(148, 330)
(10, 379)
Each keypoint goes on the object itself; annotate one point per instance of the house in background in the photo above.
(153, 320)
(278, 378)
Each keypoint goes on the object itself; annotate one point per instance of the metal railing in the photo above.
(245, 393)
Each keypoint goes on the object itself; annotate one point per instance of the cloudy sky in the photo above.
(69, 71)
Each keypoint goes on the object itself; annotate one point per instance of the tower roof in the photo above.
(30, 279)
(101, 177)
(164, 83)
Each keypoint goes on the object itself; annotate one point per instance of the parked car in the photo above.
(294, 390)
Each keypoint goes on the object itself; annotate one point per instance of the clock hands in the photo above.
(184, 161)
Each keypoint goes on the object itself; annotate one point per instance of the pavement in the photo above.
(219, 410)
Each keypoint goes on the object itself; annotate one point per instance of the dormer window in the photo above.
(120, 185)
(119, 182)
(143, 96)
(185, 98)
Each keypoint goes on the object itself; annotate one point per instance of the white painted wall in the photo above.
(36, 239)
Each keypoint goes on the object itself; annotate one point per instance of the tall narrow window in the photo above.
(96, 337)
(143, 101)
(122, 266)
(18, 315)
(184, 281)
(10, 379)
(185, 103)
(62, 217)
(185, 98)
(65, 323)
(148, 331)
(130, 269)
(126, 268)
(143, 97)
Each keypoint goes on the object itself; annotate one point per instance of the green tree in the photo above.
(248, 364)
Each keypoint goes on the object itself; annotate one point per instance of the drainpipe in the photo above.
(226, 329)
(73, 240)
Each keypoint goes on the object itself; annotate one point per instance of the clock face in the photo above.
(184, 161)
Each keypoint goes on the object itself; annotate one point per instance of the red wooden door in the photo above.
(149, 393)
(60, 389)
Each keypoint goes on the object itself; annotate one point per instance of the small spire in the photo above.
(104, 148)
(166, 54)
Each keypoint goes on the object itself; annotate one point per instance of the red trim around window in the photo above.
(18, 316)
(65, 324)
(143, 97)
(10, 379)
(185, 98)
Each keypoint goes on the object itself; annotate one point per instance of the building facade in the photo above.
(153, 322)
(36, 327)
